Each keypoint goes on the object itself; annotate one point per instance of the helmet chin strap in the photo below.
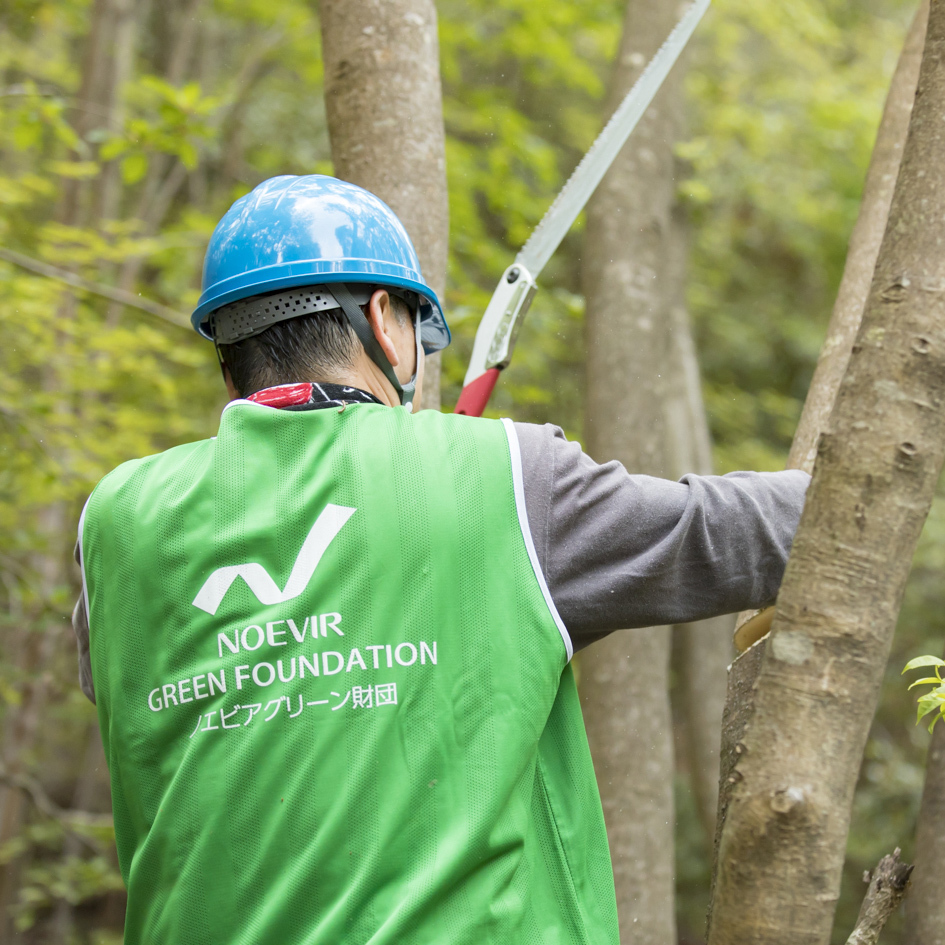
(362, 329)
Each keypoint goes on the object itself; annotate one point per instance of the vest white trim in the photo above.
(85, 586)
(518, 488)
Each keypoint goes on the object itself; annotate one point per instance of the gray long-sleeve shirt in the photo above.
(620, 550)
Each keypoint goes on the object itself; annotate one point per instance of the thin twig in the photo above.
(121, 296)
(75, 821)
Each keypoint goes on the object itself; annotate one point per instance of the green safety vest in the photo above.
(334, 692)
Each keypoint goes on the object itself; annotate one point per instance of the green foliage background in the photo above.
(783, 104)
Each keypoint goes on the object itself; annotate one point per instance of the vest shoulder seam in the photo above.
(518, 488)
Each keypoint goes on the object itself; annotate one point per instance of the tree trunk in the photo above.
(782, 845)
(851, 297)
(85, 115)
(925, 907)
(702, 650)
(385, 121)
(89, 787)
(624, 678)
(123, 15)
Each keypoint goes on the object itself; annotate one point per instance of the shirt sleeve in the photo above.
(80, 625)
(620, 550)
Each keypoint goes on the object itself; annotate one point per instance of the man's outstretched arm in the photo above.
(620, 550)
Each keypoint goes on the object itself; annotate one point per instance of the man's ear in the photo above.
(381, 318)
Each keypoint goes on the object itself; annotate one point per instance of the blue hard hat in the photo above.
(314, 230)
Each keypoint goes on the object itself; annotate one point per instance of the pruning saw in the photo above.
(498, 330)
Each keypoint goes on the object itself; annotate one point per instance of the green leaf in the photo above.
(931, 702)
(189, 95)
(923, 661)
(112, 148)
(134, 167)
(189, 156)
(76, 170)
(929, 680)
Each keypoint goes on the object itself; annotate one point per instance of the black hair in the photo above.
(314, 347)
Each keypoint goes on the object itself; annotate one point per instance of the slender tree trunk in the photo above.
(385, 120)
(123, 13)
(782, 845)
(87, 114)
(863, 251)
(925, 907)
(864, 247)
(702, 650)
(89, 787)
(858, 269)
(624, 678)
(166, 175)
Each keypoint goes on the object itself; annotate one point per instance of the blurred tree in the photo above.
(703, 650)
(624, 681)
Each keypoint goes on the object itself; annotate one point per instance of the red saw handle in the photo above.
(475, 395)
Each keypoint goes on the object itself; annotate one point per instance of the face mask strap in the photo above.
(216, 350)
(362, 329)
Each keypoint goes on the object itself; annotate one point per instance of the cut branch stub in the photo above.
(888, 885)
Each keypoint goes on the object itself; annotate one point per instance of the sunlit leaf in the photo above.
(76, 170)
(920, 661)
(134, 167)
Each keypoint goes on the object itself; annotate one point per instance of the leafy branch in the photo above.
(932, 701)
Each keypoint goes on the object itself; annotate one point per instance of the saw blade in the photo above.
(549, 233)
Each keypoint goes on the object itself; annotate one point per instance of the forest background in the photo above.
(202, 99)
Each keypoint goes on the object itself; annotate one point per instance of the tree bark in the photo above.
(782, 844)
(385, 122)
(925, 907)
(624, 678)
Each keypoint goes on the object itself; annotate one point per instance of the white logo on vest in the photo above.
(257, 578)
